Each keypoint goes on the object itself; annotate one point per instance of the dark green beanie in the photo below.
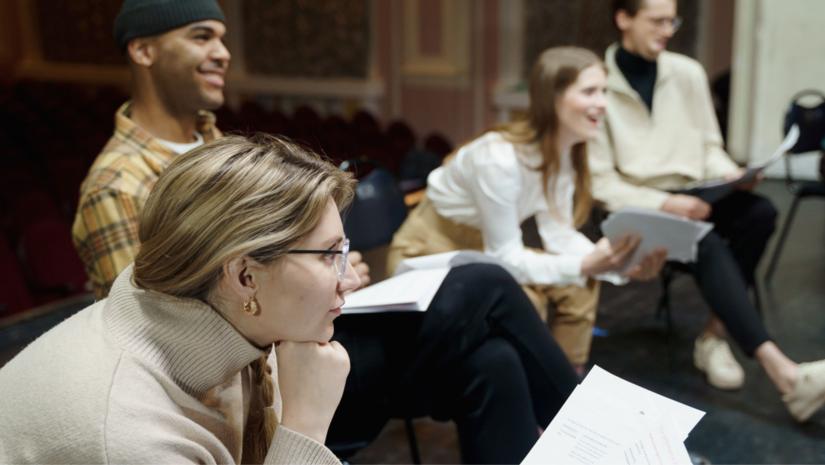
(144, 18)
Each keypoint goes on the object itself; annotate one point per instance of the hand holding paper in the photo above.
(713, 190)
(679, 236)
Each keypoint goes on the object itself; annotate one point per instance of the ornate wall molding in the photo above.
(255, 71)
(449, 66)
(327, 39)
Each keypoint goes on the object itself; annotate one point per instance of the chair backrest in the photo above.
(810, 119)
(438, 144)
(378, 208)
(811, 122)
(14, 296)
(417, 165)
(50, 258)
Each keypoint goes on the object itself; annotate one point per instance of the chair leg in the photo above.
(663, 309)
(782, 236)
(411, 439)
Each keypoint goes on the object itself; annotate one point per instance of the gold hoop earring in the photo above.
(250, 307)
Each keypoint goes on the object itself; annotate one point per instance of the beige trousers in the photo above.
(426, 232)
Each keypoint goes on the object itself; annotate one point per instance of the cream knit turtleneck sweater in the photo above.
(139, 377)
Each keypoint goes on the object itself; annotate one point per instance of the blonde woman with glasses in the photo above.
(242, 248)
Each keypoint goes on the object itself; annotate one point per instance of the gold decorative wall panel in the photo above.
(307, 38)
(436, 37)
(77, 31)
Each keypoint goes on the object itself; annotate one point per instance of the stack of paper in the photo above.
(607, 420)
(411, 291)
(680, 236)
(414, 285)
(444, 260)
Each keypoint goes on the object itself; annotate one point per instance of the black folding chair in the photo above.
(378, 208)
(377, 211)
(811, 122)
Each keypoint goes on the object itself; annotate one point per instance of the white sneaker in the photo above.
(713, 356)
(808, 394)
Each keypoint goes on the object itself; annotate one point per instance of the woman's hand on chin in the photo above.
(311, 378)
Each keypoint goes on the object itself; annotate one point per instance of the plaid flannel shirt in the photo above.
(105, 230)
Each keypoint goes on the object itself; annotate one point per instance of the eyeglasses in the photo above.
(675, 22)
(339, 262)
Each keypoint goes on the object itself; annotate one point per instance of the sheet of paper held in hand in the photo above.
(712, 190)
(608, 420)
(680, 236)
(414, 284)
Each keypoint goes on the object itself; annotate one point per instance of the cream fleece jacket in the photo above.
(639, 154)
(139, 377)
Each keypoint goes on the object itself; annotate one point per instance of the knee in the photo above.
(486, 277)
(496, 361)
(485, 273)
(473, 295)
(711, 243)
(711, 246)
(761, 215)
(764, 215)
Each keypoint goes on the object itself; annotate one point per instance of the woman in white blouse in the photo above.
(533, 167)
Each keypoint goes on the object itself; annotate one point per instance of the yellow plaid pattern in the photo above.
(105, 230)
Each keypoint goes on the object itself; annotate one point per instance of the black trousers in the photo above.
(727, 260)
(479, 356)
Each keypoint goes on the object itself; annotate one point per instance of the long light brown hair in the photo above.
(555, 70)
(233, 197)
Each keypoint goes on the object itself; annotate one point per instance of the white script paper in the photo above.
(444, 260)
(411, 291)
(414, 284)
(678, 235)
(607, 420)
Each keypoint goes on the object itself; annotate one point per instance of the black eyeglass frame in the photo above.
(341, 269)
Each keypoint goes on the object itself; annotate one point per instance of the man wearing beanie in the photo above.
(177, 62)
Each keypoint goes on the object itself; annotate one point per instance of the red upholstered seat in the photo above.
(50, 258)
(14, 297)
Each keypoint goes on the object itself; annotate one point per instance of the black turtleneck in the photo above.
(639, 72)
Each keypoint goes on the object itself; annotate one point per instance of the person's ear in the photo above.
(142, 51)
(242, 276)
(623, 20)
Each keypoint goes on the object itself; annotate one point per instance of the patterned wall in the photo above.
(588, 23)
(307, 38)
(77, 31)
